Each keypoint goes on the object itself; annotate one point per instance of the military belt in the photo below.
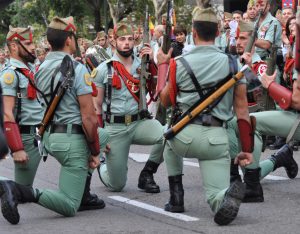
(125, 119)
(63, 128)
(27, 129)
(208, 120)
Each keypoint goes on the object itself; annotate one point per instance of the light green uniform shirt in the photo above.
(109, 51)
(122, 102)
(210, 65)
(221, 42)
(68, 111)
(266, 32)
(31, 110)
(295, 75)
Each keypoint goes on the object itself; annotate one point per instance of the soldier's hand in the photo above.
(162, 57)
(267, 80)
(146, 50)
(247, 59)
(107, 148)
(20, 157)
(243, 159)
(94, 161)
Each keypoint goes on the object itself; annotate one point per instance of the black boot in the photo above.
(279, 142)
(176, 202)
(284, 158)
(231, 203)
(146, 181)
(254, 191)
(90, 201)
(234, 172)
(11, 193)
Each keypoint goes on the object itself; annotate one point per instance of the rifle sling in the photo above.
(108, 90)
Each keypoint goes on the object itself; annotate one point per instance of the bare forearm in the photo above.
(263, 44)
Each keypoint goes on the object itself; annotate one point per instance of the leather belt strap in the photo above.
(63, 128)
(27, 129)
(125, 119)
(208, 120)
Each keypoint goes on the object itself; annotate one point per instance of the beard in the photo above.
(27, 56)
(125, 54)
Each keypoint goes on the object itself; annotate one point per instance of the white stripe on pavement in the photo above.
(153, 209)
(141, 158)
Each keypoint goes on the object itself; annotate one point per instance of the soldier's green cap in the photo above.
(110, 31)
(63, 24)
(251, 3)
(228, 15)
(246, 26)
(204, 14)
(101, 34)
(123, 30)
(19, 34)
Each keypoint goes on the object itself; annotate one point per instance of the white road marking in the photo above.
(142, 158)
(139, 157)
(153, 209)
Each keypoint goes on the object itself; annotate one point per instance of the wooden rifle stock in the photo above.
(171, 132)
(47, 118)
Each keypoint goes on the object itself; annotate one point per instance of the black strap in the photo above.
(108, 90)
(192, 75)
(19, 102)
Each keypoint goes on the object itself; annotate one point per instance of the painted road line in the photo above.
(142, 158)
(153, 208)
(138, 157)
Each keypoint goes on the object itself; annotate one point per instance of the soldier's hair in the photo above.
(179, 29)
(206, 31)
(57, 38)
(238, 12)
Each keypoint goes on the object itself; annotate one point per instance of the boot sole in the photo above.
(10, 211)
(174, 209)
(231, 204)
(253, 200)
(142, 187)
(293, 168)
(83, 208)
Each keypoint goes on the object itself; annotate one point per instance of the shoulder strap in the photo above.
(108, 90)
(192, 75)
(19, 102)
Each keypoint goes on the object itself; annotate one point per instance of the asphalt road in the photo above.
(133, 211)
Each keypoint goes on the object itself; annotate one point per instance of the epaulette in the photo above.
(178, 57)
(108, 60)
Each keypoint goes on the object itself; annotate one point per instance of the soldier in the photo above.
(251, 11)
(266, 30)
(102, 39)
(112, 44)
(205, 138)
(72, 137)
(118, 78)
(19, 96)
(3, 60)
(237, 15)
(222, 39)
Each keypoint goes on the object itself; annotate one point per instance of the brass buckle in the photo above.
(128, 119)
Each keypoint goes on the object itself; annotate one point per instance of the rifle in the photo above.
(143, 110)
(64, 83)
(269, 103)
(161, 114)
(297, 57)
(202, 104)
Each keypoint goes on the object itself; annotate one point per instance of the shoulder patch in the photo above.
(8, 78)
(87, 79)
(94, 73)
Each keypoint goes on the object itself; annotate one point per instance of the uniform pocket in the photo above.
(181, 144)
(219, 146)
(60, 151)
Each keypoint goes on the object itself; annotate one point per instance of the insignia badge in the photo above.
(261, 69)
(8, 78)
(94, 73)
(87, 79)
